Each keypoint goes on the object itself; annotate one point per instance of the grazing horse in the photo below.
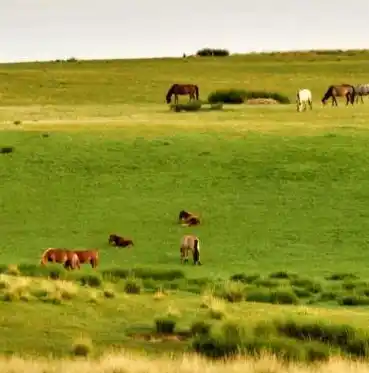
(88, 256)
(343, 90)
(120, 241)
(188, 218)
(304, 97)
(68, 258)
(190, 243)
(191, 90)
(360, 91)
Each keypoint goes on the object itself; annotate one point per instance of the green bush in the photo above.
(165, 324)
(353, 300)
(244, 278)
(200, 327)
(283, 275)
(228, 96)
(190, 106)
(238, 96)
(144, 273)
(346, 337)
(341, 276)
(92, 280)
(284, 296)
(216, 52)
(133, 285)
(308, 284)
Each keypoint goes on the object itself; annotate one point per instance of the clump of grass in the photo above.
(109, 293)
(306, 283)
(228, 96)
(350, 340)
(244, 278)
(283, 275)
(133, 285)
(92, 280)
(201, 327)
(13, 270)
(190, 106)
(340, 276)
(231, 291)
(267, 282)
(166, 323)
(353, 300)
(66, 289)
(82, 347)
(282, 295)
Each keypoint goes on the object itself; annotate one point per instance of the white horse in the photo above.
(303, 97)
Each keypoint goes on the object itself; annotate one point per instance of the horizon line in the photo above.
(253, 53)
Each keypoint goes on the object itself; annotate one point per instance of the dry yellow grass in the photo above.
(126, 363)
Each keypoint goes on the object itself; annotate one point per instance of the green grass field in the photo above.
(277, 190)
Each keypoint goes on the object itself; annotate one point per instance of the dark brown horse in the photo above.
(120, 241)
(343, 90)
(66, 257)
(188, 218)
(191, 90)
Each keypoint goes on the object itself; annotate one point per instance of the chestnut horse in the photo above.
(191, 90)
(88, 256)
(190, 243)
(343, 90)
(188, 218)
(68, 258)
(120, 241)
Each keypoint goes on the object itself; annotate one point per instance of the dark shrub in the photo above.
(201, 327)
(92, 280)
(284, 296)
(190, 106)
(228, 96)
(354, 300)
(341, 276)
(207, 52)
(6, 149)
(144, 273)
(346, 337)
(133, 285)
(246, 279)
(301, 292)
(307, 283)
(283, 275)
(165, 325)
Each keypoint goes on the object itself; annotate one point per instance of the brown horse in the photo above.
(188, 218)
(343, 90)
(120, 241)
(68, 258)
(88, 256)
(191, 90)
(190, 243)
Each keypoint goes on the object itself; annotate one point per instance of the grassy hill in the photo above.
(277, 190)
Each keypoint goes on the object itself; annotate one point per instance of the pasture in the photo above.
(97, 151)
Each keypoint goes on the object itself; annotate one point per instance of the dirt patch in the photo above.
(262, 101)
(160, 337)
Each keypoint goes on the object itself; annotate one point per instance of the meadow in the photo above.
(282, 196)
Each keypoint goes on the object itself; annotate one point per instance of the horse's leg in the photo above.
(362, 101)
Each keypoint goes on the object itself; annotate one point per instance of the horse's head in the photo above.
(168, 99)
(182, 214)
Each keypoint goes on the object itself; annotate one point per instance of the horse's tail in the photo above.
(197, 92)
(96, 258)
(196, 250)
(353, 94)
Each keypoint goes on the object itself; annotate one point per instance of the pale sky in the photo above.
(85, 29)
